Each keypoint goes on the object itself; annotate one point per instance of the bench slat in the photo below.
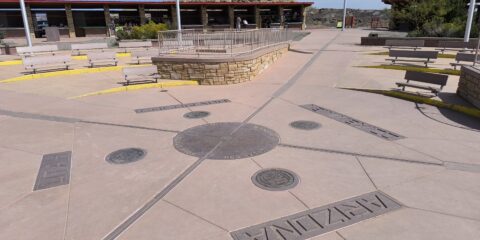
(413, 54)
(431, 78)
(418, 86)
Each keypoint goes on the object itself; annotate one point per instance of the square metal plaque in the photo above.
(54, 170)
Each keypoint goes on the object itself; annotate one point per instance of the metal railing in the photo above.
(227, 42)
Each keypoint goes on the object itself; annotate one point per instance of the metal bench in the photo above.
(134, 45)
(102, 58)
(36, 50)
(463, 57)
(455, 46)
(435, 82)
(141, 74)
(78, 48)
(35, 63)
(404, 44)
(412, 56)
(144, 55)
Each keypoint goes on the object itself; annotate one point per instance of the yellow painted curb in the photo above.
(139, 87)
(82, 57)
(11, 62)
(67, 72)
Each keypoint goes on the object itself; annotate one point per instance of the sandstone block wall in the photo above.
(218, 71)
(469, 85)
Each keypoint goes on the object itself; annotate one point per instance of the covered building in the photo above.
(80, 18)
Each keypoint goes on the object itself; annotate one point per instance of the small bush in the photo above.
(146, 31)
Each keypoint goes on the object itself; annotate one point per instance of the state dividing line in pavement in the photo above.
(139, 87)
(82, 57)
(66, 72)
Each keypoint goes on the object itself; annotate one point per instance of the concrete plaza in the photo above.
(432, 170)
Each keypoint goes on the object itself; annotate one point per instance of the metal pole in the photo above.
(476, 52)
(179, 22)
(25, 23)
(471, 11)
(344, 14)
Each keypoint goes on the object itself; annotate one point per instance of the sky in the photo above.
(359, 4)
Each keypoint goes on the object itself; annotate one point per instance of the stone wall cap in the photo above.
(219, 58)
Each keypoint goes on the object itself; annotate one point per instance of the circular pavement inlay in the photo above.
(196, 114)
(126, 155)
(232, 140)
(305, 125)
(275, 179)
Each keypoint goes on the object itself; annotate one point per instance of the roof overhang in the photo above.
(150, 2)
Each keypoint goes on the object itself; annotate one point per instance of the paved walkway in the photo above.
(418, 165)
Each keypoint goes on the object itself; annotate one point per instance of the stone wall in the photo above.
(469, 85)
(221, 70)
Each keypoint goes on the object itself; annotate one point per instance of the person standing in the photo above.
(239, 23)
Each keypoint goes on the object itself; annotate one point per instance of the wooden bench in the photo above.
(435, 82)
(463, 57)
(47, 62)
(144, 55)
(78, 48)
(142, 74)
(36, 50)
(135, 45)
(404, 44)
(455, 46)
(102, 58)
(424, 57)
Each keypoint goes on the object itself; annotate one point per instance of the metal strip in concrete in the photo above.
(465, 167)
(186, 105)
(314, 222)
(54, 170)
(363, 126)
(360, 154)
(38, 116)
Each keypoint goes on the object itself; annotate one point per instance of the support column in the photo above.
(203, 10)
(231, 17)
(141, 12)
(173, 17)
(258, 20)
(303, 10)
(70, 23)
(108, 20)
(32, 22)
(281, 16)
